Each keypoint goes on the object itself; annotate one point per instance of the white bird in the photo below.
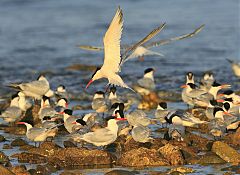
(24, 104)
(185, 97)
(35, 89)
(99, 103)
(37, 134)
(46, 109)
(231, 94)
(61, 92)
(101, 136)
(143, 50)
(161, 112)
(235, 67)
(146, 84)
(138, 118)
(141, 134)
(69, 121)
(207, 81)
(112, 56)
(13, 112)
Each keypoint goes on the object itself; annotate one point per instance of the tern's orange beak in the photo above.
(120, 119)
(220, 100)
(20, 123)
(74, 122)
(220, 95)
(90, 82)
(183, 86)
(226, 113)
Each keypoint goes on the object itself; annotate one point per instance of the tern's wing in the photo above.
(111, 43)
(167, 41)
(153, 33)
(91, 48)
(37, 87)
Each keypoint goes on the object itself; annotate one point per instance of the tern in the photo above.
(37, 134)
(207, 81)
(112, 57)
(185, 97)
(61, 92)
(161, 112)
(146, 85)
(13, 112)
(235, 67)
(143, 50)
(46, 109)
(35, 89)
(176, 132)
(141, 134)
(138, 118)
(99, 103)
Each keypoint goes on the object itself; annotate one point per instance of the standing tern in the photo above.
(235, 67)
(35, 89)
(161, 112)
(185, 97)
(99, 103)
(141, 134)
(13, 112)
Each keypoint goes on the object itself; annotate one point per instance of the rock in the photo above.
(7, 146)
(121, 172)
(68, 157)
(33, 172)
(233, 168)
(172, 154)
(45, 149)
(45, 169)
(26, 147)
(149, 101)
(226, 152)
(132, 144)
(2, 138)
(3, 158)
(183, 170)
(25, 157)
(69, 144)
(82, 67)
(20, 170)
(142, 157)
(210, 158)
(5, 171)
(18, 142)
(15, 130)
(200, 143)
(236, 137)
(71, 172)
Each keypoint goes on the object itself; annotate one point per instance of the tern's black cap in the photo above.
(213, 102)
(98, 68)
(215, 84)
(68, 111)
(226, 106)
(228, 92)
(148, 70)
(46, 118)
(14, 95)
(215, 110)
(193, 86)
(81, 121)
(163, 105)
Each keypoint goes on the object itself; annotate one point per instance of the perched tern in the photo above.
(161, 112)
(35, 89)
(141, 134)
(235, 67)
(185, 97)
(99, 103)
(61, 92)
(176, 132)
(138, 118)
(46, 109)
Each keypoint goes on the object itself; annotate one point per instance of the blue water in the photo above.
(40, 36)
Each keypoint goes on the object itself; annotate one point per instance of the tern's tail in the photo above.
(149, 52)
(229, 60)
(14, 86)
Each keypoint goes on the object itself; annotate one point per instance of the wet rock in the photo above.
(82, 67)
(45, 169)
(71, 172)
(15, 130)
(226, 152)
(2, 138)
(121, 172)
(45, 149)
(236, 137)
(132, 144)
(200, 143)
(142, 157)
(20, 170)
(68, 157)
(26, 147)
(183, 170)
(5, 171)
(33, 172)
(210, 158)
(169, 96)
(25, 157)
(18, 142)
(149, 101)
(233, 168)
(69, 144)
(172, 154)
(7, 146)
(3, 158)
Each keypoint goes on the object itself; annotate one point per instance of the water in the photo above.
(40, 36)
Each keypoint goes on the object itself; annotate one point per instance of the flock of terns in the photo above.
(221, 109)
